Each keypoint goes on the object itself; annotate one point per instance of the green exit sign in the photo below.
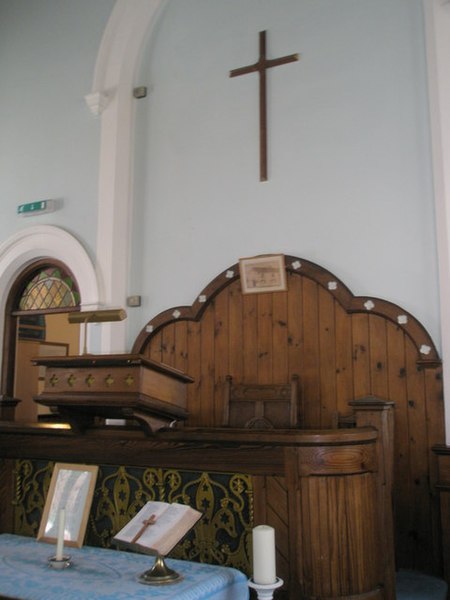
(33, 208)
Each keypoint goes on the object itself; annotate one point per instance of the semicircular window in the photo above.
(49, 288)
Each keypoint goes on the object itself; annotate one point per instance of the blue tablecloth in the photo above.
(102, 574)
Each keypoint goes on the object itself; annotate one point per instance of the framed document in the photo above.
(71, 491)
(265, 273)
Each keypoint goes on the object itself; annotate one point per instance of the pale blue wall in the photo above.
(350, 183)
(349, 159)
(49, 140)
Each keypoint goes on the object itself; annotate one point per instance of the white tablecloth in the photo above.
(103, 574)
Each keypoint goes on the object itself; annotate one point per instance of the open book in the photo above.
(158, 527)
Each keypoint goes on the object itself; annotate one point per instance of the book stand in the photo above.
(159, 574)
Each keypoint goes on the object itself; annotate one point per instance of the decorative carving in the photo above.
(109, 380)
(116, 386)
(129, 380)
(32, 480)
(97, 102)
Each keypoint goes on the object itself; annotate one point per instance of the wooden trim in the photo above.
(111, 360)
(299, 266)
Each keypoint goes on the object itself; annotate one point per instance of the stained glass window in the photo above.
(49, 288)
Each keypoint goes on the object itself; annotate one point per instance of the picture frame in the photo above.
(261, 274)
(72, 488)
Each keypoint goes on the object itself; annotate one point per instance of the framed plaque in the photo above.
(265, 273)
(71, 489)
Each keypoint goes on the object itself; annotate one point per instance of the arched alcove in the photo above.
(27, 247)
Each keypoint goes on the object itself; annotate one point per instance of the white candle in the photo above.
(60, 538)
(264, 569)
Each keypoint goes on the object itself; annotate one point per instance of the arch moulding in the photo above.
(49, 242)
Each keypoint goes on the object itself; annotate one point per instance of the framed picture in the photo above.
(71, 488)
(265, 273)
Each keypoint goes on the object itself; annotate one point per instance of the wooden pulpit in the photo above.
(122, 386)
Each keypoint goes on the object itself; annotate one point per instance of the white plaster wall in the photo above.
(49, 140)
(350, 183)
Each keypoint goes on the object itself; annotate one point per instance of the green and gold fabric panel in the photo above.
(222, 536)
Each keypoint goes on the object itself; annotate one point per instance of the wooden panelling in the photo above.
(247, 350)
(272, 509)
(443, 485)
(342, 348)
(310, 377)
(340, 516)
(361, 357)
(317, 488)
(344, 371)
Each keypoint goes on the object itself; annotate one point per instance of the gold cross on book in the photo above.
(146, 523)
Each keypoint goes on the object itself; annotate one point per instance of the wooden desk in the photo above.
(102, 574)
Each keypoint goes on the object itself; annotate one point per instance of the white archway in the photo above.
(46, 241)
(112, 98)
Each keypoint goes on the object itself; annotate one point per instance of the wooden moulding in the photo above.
(256, 452)
(443, 489)
(345, 460)
(443, 457)
(7, 407)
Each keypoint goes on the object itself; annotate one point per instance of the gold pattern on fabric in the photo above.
(222, 536)
(32, 480)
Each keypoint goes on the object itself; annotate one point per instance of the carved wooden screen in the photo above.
(342, 347)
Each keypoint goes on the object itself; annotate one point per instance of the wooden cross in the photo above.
(146, 523)
(260, 67)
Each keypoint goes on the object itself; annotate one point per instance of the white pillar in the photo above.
(437, 23)
(112, 99)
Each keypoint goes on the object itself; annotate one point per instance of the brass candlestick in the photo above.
(160, 573)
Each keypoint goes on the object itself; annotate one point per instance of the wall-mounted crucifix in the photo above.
(261, 67)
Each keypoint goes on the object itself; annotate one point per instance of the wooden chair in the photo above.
(261, 406)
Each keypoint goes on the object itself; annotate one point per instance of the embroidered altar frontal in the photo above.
(222, 536)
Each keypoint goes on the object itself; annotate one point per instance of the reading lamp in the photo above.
(96, 316)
